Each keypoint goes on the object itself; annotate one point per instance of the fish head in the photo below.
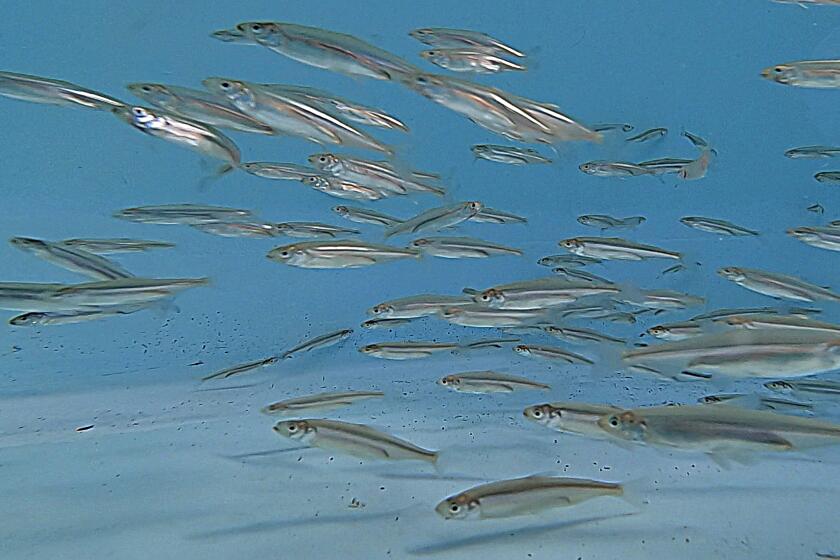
(658, 331)
(478, 148)
(26, 319)
(458, 507)
(294, 429)
(325, 162)
(572, 244)
(316, 182)
(381, 310)
(732, 273)
(258, 31)
(590, 167)
(490, 297)
(430, 54)
(237, 92)
(779, 386)
(427, 85)
(26, 242)
(522, 349)
(420, 242)
(140, 117)
(370, 349)
(423, 34)
(804, 233)
(781, 73)
(586, 220)
(282, 227)
(473, 206)
(450, 381)
(155, 94)
(541, 413)
(625, 425)
(341, 210)
(710, 399)
(230, 36)
(284, 253)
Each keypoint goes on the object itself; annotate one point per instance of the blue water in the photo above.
(174, 468)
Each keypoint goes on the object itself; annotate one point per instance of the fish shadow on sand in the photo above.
(485, 539)
(279, 524)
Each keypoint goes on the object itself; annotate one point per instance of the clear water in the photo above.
(174, 468)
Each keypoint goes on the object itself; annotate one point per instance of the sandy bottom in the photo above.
(174, 468)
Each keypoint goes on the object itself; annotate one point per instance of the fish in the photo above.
(416, 306)
(673, 269)
(115, 245)
(832, 177)
(407, 350)
(321, 341)
(649, 134)
(350, 110)
(312, 229)
(341, 188)
(194, 135)
(472, 60)
(529, 495)
(508, 154)
(119, 292)
(437, 219)
(723, 432)
(41, 318)
(662, 300)
(662, 166)
(290, 115)
(812, 152)
(512, 116)
(321, 48)
(37, 89)
(788, 322)
(320, 401)
(816, 209)
(29, 296)
(676, 331)
(745, 353)
(494, 216)
(804, 4)
(378, 175)
(573, 274)
(601, 168)
(488, 382)
(606, 127)
(339, 253)
(280, 171)
(188, 214)
(777, 285)
(805, 73)
(540, 293)
(602, 221)
(488, 317)
(199, 106)
(760, 401)
(811, 389)
(238, 229)
(384, 323)
(720, 313)
(720, 227)
(551, 352)
(571, 417)
(71, 258)
(614, 248)
(443, 37)
(568, 260)
(697, 168)
(578, 335)
(821, 237)
(695, 140)
(365, 216)
(356, 440)
(241, 368)
(461, 247)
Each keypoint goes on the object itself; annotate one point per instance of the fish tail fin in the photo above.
(635, 492)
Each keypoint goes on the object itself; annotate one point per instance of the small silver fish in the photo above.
(812, 152)
(38, 318)
(340, 253)
(832, 177)
(460, 38)
(777, 285)
(805, 73)
(416, 306)
(238, 229)
(341, 188)
(811, 389)
(281, 171)
(53, 92)
(72, 258)
(356, 440)
(610, 248)
(312, 229)
(241, 368)
(551, 352)
(822, 237)
(437, 218)
(568, 261)
(115, 245)
(676, 331)
(720, 227)
(321, 341)
(571, 417)
(199, 137)
(649, 134)
(666, 165)
(365, 216)
(470, 60)
(461, 247)
(488, 382)
(577, 335)
(487, 317)
(575, 274)
(603, 222)
(320, 401)
(606, 127)
(614, 169)
(508, 154)
(384, 323)
(187, 214)
(493, 216)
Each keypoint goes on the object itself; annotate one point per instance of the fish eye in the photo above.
(225, 85)
(284, 253)
(138, 111)
(422, 80)
(145, 88)
(292, 428)
(256, 27)
(778, 69)
(614, 421)
(322, 159)
(454, 508)
(537, 413)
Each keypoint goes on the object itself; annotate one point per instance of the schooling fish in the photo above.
(458, 38)
(508, 154)
(53, 92)
(805, 73)
(488, 382)
(470, 60)
(340, 253)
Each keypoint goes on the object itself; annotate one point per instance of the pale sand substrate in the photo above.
(176, 468)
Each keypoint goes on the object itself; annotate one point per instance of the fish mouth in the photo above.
(232, 35)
